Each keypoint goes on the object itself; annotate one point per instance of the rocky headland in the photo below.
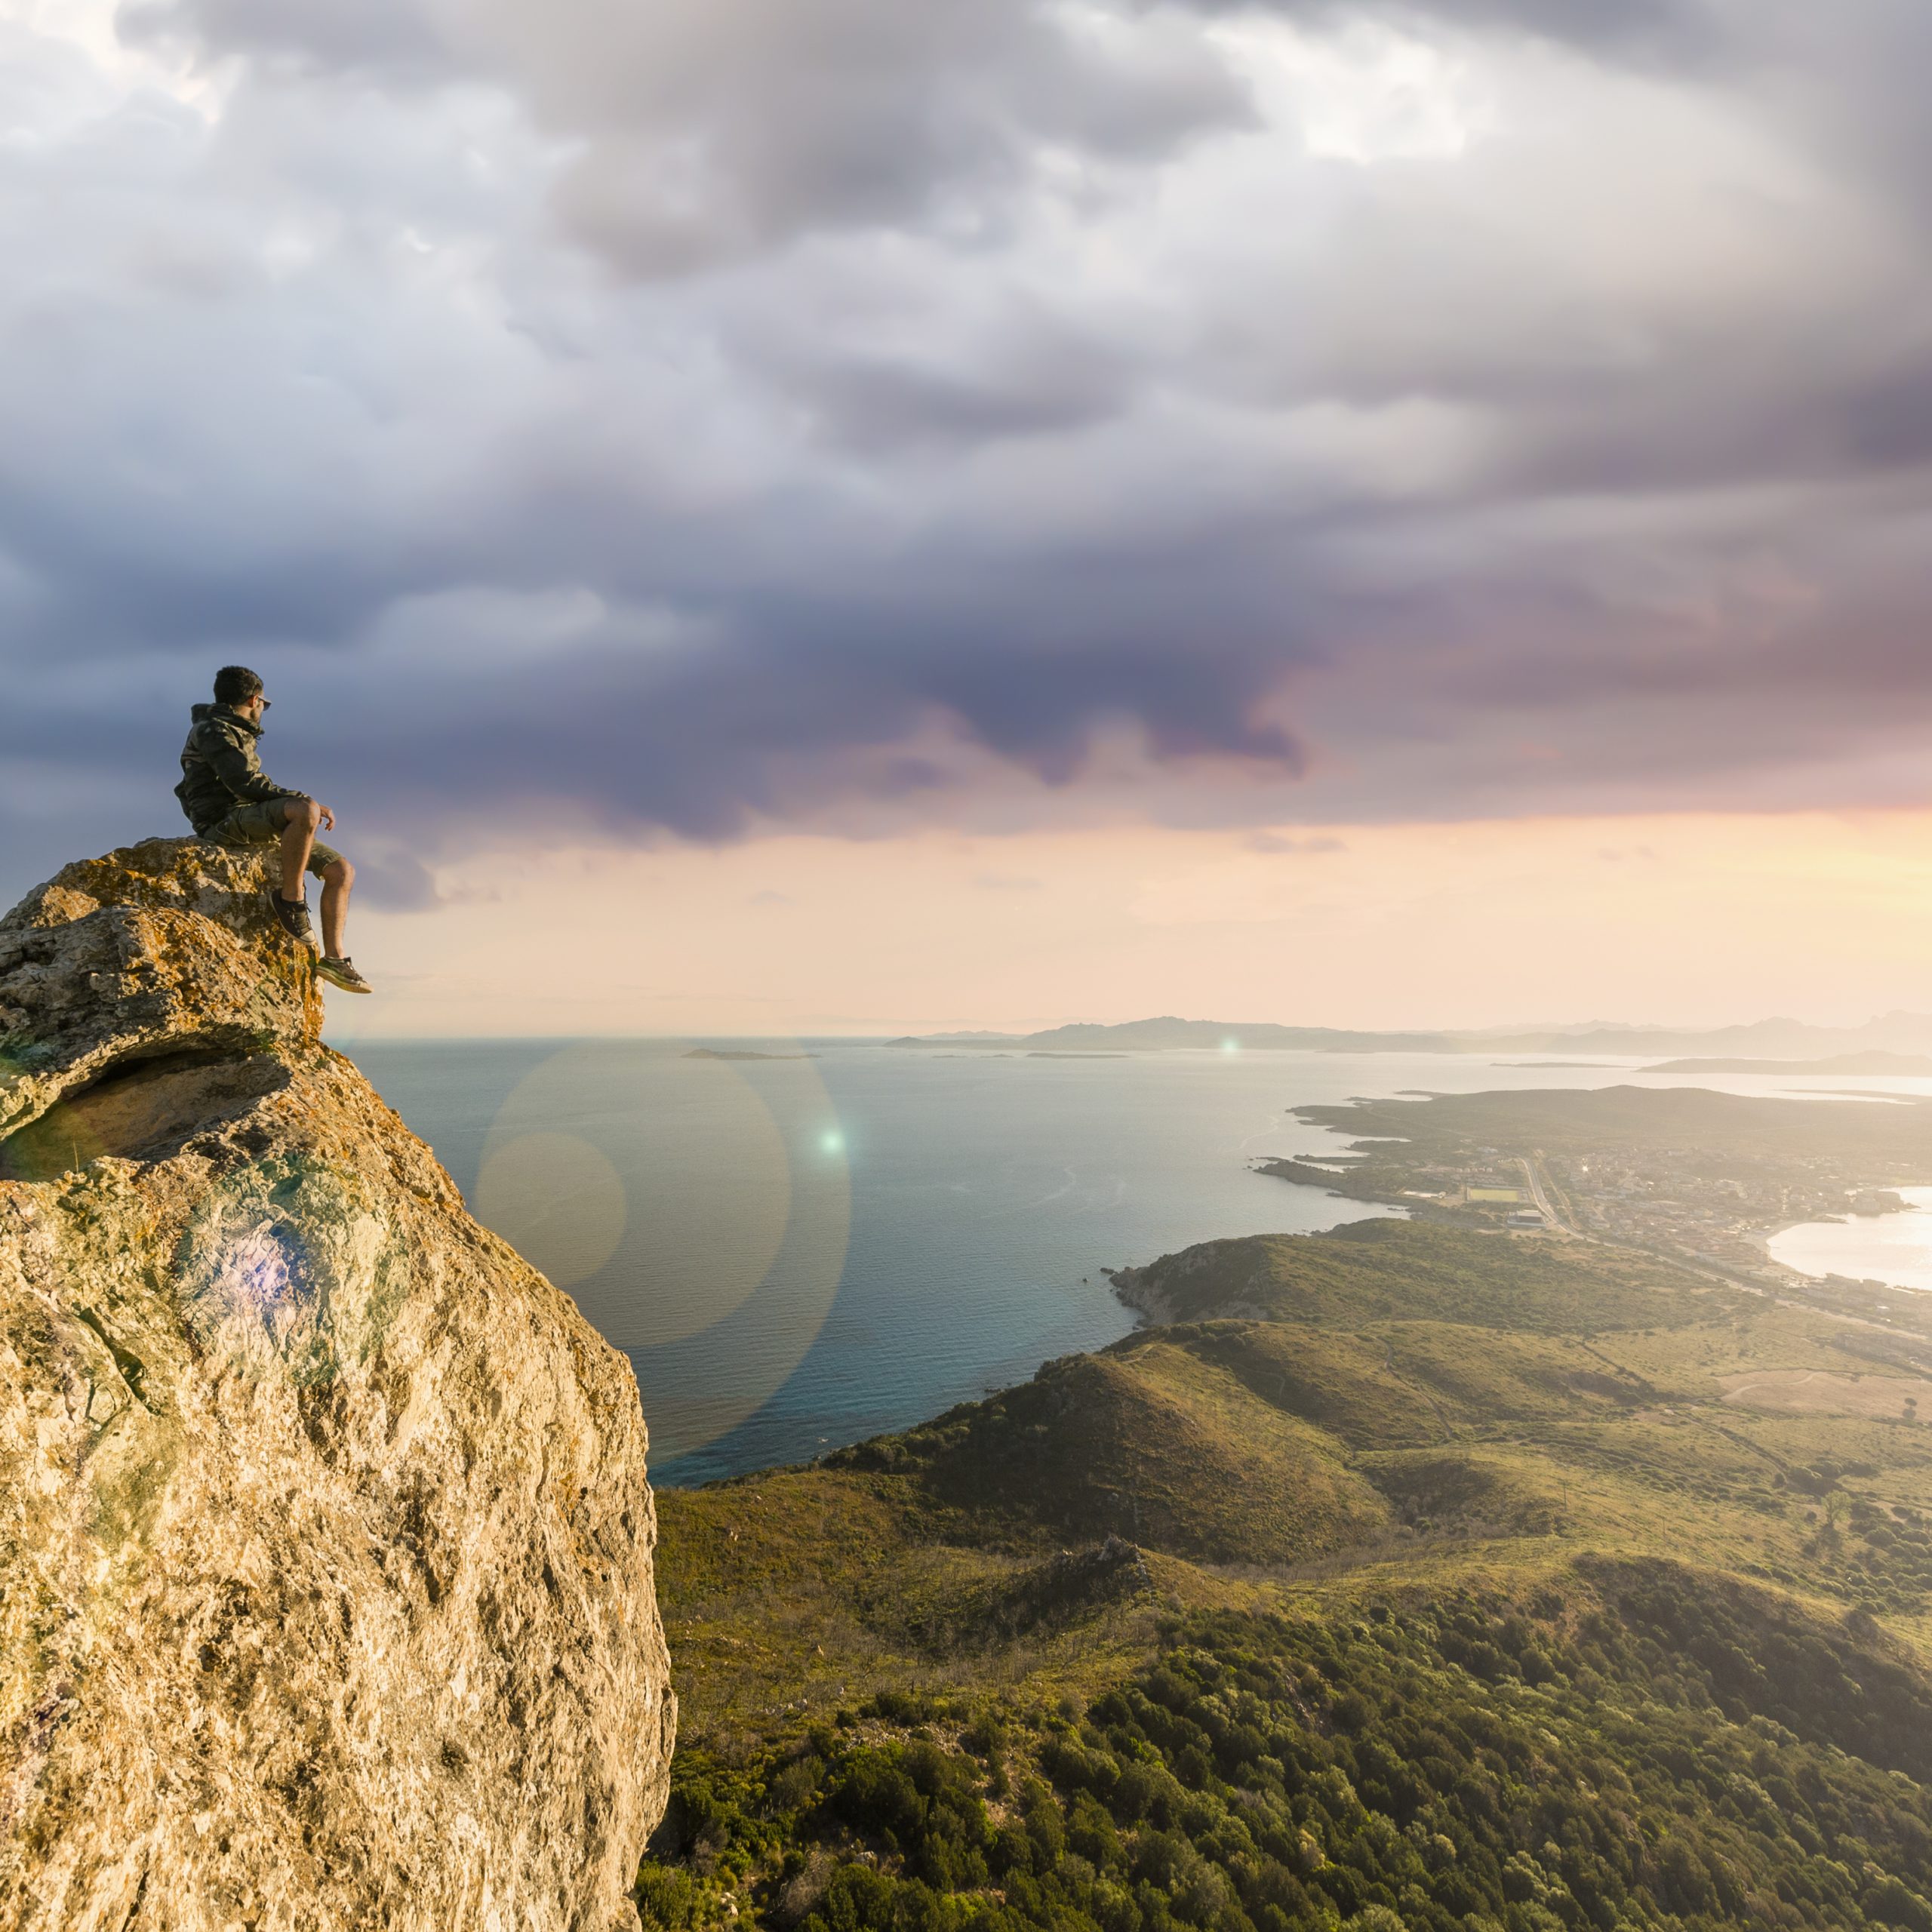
(326, 1548)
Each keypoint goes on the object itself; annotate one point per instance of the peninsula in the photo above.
(1703, 1177)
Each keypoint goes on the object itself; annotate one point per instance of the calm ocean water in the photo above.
(796, 1253)
(1893, 1248)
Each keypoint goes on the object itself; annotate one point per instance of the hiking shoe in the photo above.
(293, 915)
(342, 973)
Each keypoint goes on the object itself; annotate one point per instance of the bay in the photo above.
(1895, 1249)
(798, 1252)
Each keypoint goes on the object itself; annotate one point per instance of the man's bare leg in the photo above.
(336, 883)
(301, 816)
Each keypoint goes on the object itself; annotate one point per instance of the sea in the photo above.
(800, 1244)
(1895, 1249)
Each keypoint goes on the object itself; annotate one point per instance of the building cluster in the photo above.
(1661, 1200)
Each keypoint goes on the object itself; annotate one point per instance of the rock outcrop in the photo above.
(325, 1545)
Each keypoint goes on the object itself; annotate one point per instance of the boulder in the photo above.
(326, 1593)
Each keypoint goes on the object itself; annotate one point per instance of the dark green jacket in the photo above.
(219, 768)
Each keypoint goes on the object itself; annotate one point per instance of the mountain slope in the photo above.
(1480, 1584)
(1159, 1443)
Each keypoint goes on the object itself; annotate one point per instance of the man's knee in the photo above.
(339, 872)
(300, 811)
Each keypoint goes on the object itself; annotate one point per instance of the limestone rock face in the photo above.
(325, 1544)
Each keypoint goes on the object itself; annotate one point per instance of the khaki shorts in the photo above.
(260, 824)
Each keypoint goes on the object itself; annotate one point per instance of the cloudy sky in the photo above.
(801, 514)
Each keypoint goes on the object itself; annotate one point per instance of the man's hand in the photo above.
(328, 818)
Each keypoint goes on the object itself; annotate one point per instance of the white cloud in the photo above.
(1370, 93)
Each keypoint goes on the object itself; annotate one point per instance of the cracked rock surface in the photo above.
(326, 1593)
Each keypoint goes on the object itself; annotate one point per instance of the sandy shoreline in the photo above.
(1761, 1239)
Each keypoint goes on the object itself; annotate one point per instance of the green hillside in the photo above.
(1375, 1270)
(1434, 1579)
(1156, 1442)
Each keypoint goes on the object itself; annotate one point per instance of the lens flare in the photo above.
(289, 1268)
(696, 1204)
(255, 1271)
(557, 1200)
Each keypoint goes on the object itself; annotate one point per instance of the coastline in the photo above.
(1762, 1239)
(1132, 1289)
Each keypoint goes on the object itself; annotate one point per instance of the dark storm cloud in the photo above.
(698, 736)
(607, 420)
(1039, 382)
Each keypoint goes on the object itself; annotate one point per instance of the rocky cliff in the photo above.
(325, 1546)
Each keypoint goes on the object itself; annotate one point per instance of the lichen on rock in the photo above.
(326, 1593)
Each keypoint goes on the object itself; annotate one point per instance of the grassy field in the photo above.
(1419, 1578)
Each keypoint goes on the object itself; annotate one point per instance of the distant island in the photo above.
(733, 1053)
(1866, 1063)
(1562, 1066)
(1891, 1036)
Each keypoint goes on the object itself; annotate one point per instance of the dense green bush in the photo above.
(1648, 1751)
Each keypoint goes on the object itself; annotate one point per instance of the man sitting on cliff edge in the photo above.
(231, 800)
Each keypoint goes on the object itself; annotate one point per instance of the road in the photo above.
(1536, 1194)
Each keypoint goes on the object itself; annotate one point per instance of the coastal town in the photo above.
(1689, 1174)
